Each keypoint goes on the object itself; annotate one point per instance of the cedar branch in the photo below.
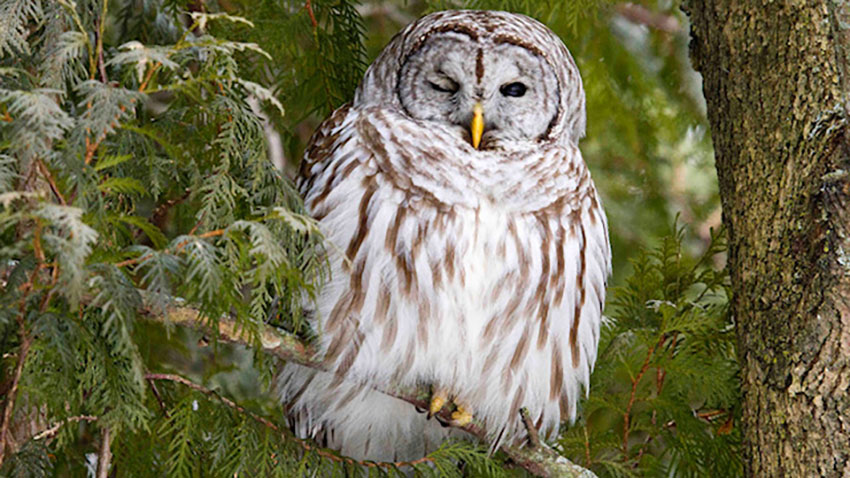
(52, 430)
(632, 396)
(541, 461)
(305, 444)
(179, 247)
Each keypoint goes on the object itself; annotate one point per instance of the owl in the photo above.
(468, 247)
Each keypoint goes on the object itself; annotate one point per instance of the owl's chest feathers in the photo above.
(462, 264)
(491, 262)
(460, 250)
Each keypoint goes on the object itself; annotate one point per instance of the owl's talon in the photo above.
(460, 417)
(437, 402)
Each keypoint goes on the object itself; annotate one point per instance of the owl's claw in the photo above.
(460, 417)
(437, 402)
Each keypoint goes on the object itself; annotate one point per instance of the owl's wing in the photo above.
(319, 155)
(348, 188)
(343, 189)
(581, 238)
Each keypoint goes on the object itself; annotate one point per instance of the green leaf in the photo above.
(123, 185)
(111, 160)
(154, 234)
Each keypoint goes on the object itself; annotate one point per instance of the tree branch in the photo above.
(104, 456)
(51, 431)
(305, 444)
(541, 461)
(23, 349)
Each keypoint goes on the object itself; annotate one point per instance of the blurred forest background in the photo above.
(147, 149)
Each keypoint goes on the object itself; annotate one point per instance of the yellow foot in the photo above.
(438, 399)
(461, 417)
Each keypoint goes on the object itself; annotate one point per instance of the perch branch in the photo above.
(541, 461)
(305, 444)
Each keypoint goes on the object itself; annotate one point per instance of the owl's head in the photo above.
(493, 77)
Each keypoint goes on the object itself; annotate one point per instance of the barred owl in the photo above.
(469, 249)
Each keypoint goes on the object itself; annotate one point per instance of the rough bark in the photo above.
(774, 82)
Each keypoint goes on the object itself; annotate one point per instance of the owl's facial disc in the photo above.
(489, 92)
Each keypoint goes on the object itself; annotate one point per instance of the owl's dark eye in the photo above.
(516, 89)
(444, 86)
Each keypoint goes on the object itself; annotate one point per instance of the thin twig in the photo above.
(102, 67)
(660, 375)
(177, 249)
(37, 251)
(99, 45)
(26, 340)
(104, 456)
(197, 224)
(49, 177)
(149, 75)
(309, 7)
(533, 435)
(710, 415)
(51, 431)
(158, 215)
(158, 398)
(10, 397)
(635, 381)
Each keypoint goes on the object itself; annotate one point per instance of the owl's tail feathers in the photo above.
(356, 420)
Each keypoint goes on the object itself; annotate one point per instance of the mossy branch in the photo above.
(540, 460)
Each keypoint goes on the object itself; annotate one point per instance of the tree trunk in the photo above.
(775, 84)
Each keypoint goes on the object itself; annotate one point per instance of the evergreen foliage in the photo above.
(664, 393)
(134, 175)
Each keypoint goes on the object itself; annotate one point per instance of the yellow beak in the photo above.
(477, 126)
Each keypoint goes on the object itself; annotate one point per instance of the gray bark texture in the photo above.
(775, 82)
